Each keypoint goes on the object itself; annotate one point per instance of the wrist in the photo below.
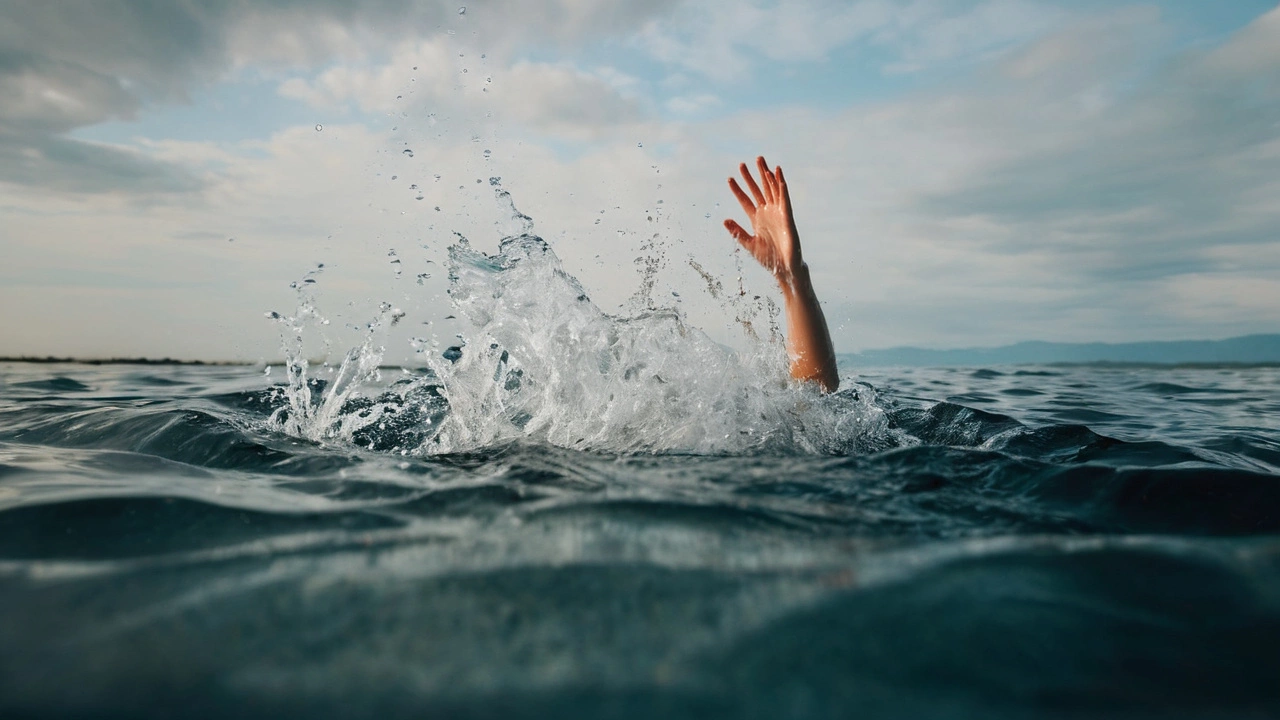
(795, 279)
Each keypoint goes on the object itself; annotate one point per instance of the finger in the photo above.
(783, 192)
(744, 238)
(748, 206)
(737, 231)
(766, 179)
(751, 183)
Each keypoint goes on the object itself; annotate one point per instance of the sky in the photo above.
(964, 173)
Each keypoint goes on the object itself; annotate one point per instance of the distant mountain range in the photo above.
(1249, 349)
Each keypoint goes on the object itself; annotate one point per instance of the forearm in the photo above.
(808, 340)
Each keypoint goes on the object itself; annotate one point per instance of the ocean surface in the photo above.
(575, 515)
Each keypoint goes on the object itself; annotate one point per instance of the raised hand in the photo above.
(774, 242)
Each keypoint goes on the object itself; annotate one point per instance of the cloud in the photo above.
(63, 165)
(438, 78)
(1060, 192)
(1081, 181)
(1173, 166)
(732, 41)
(70, 65)
(925, 35)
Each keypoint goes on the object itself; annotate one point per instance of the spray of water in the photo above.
(541, 363)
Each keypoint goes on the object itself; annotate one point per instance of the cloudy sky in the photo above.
(965, 173)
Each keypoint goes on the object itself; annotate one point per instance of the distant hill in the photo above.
(1249, 349)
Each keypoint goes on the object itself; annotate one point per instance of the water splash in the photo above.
(331, 403)
(544, 363)
(538, 362)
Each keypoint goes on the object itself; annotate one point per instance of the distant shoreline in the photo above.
(1252, 350)
(314, 362)
(50, 360)
(1003, 367)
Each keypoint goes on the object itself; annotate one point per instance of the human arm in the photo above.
(775, 244)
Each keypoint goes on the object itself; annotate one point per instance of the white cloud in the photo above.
(66, 66)
(731, 41)
(441, 78)
(925, 35)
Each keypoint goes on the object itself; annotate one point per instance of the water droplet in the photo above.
(597, 221)
(483, 56)
(437, 208)
(231, 239)
(394, 177)
(489, 79)
(437, 178)
(319, 127)
(639, 144)
(707, 216)
(462, 10)
(487, 153)
(408, 152)
(419, 197)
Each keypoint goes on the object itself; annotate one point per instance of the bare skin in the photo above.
(775, 244)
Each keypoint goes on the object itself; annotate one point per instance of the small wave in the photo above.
(56, 384)
(106, 528)
(1168, 388)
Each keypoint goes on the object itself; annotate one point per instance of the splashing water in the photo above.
(539, 362)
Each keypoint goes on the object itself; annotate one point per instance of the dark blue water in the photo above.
(1014, 542)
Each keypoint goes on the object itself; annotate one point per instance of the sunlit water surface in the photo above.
(593, 516)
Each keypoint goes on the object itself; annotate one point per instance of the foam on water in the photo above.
(540, 362)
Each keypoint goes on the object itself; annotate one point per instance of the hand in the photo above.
(775, 243)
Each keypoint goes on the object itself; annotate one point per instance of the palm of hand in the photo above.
(775, 246)
(774, 242)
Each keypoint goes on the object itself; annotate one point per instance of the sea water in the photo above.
(572, 513)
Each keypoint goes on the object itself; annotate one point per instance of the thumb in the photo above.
(737, 232)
